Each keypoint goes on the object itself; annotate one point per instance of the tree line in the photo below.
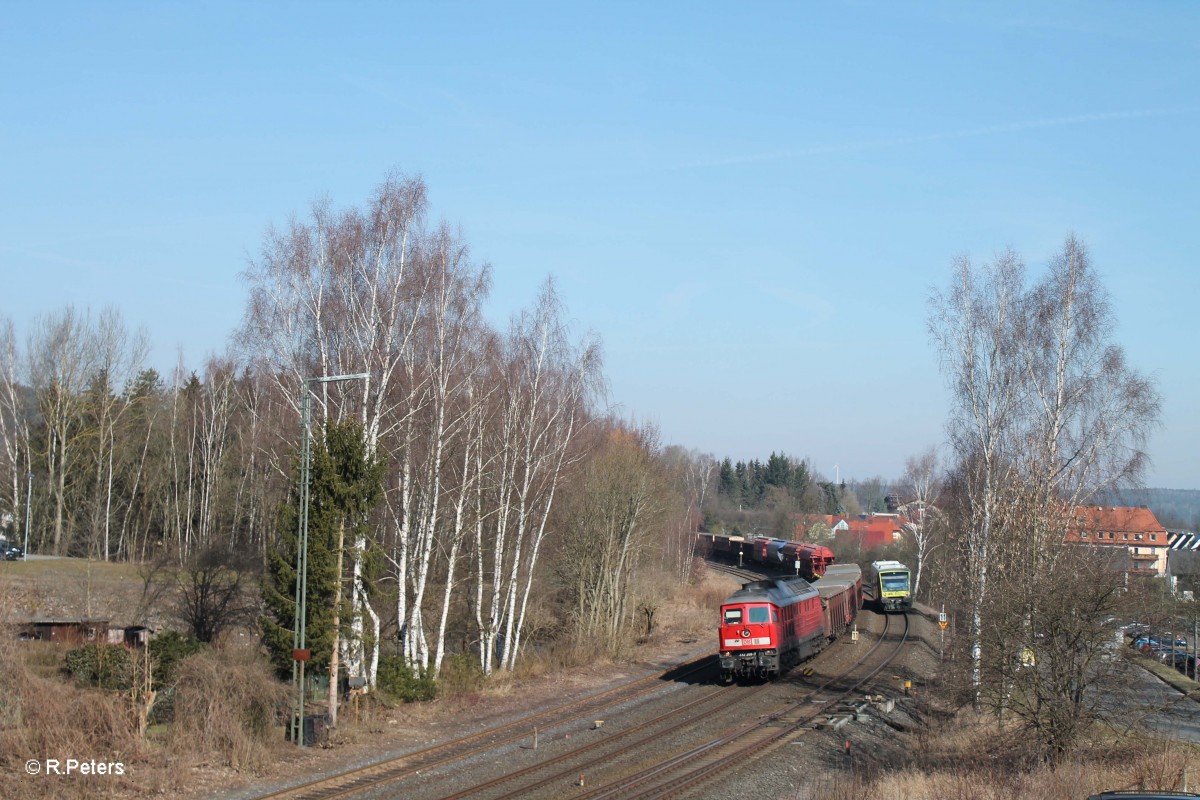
(509, 505)
(471, 494)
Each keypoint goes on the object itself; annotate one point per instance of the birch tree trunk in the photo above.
(14, 423)
(976, 330)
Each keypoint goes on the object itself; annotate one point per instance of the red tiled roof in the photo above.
(1115, 522)
(875, 525)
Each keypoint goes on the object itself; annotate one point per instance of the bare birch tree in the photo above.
(548, 387)
(119, 356)
(614, 513)
(1047, 412)
(364, 292)
(694, 474)
(449, 333)
(1090, 414)
(142, 462)
(974, 327)
(61, 361)
(14, 424)
(920, 485)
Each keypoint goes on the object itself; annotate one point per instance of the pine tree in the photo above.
(758, 484)
(346, 486)
(800, 481)
(727, 486)
(778, 471)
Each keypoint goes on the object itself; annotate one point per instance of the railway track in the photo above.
(595, 754)
(694, 763)
(421, 772)
(685, 770)
(355, 781)
(740, 573)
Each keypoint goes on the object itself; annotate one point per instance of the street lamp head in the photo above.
(334, 378)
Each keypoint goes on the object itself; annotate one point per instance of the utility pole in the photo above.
(300, 652)
(28, 502)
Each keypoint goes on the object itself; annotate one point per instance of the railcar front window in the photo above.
(894, 583)
(733, 616)
(759, 614)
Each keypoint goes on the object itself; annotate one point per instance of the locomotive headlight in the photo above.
(745, 633)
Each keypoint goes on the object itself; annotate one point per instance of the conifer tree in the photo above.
(727, 487)
(346, 485)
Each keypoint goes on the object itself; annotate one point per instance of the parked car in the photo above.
(1175, 639)
(1168, 655)
(13, 553)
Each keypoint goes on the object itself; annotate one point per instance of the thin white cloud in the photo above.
(965, 133)
(31, 254)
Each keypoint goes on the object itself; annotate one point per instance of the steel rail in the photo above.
(739, 696)
(603, 790)
(757, 737)
(757, 744)
(389, 769)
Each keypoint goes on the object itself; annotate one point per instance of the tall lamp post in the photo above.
(28, 505)
(300, 652)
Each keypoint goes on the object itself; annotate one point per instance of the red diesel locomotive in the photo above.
(780, 554)
(769, 626)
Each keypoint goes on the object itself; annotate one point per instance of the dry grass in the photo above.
(228, 705)
(227, 702)
(694, 609)
(72, 588)
(42, 718)
(557, 657)
(971, 760)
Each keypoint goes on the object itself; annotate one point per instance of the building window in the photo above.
(1125, 536)
(1083, 534)
(1137, 536)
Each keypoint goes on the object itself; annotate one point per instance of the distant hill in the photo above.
(1175, 508)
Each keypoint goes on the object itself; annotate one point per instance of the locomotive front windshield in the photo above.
(733, 616)
(760, 614)
(894, 581)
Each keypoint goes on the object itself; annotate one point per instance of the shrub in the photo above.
(48, 716)
(167, 650)
(227, 702)
(397, 679)
(461, 674)
(101, 665)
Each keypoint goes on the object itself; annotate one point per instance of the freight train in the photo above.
(769, 626)
(808, 561)
(890, 585)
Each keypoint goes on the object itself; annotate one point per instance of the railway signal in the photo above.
(943, 621)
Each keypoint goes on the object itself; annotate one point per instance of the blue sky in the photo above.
(749, 203)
